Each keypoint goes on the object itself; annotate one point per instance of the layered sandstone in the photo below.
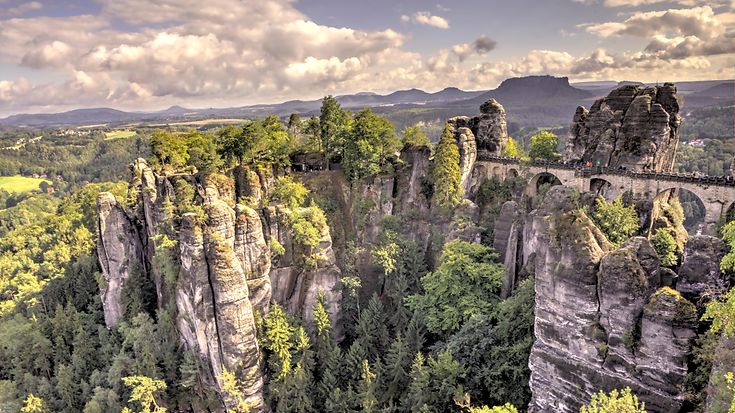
(634, 127)
(603, 318)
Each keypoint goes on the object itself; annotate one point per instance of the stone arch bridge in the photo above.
(716, 193)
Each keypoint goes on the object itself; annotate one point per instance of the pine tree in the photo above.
(417, 396)
(328, 355)
(397, 363)
(340, 401)
(68, 388)
(277, 341)
(396, 291)
(415, 335)
(142, 338)
(372, 330)
(367, 389)
(447, 176)
(446, 375)
(323, 325)
(84, 357)
(330, 372)
(350, 372)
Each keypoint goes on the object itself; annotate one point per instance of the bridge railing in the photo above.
(583, 170)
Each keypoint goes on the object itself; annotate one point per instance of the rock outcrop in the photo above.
(301, 273)
(467, 156)
(254, 255)
(233, 311)
(507, 242)
(120, 253)
(603, 319)
(225, 264)
(699, 272)
(489, 130)
(633, 127)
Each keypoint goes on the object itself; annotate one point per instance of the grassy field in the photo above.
(20, 183)
(119, 134)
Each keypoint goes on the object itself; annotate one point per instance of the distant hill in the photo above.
(71, 118)
(530, 100)
(721, 90)
(176, 110)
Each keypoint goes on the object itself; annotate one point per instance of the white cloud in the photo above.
(428, 19)
(675, 33)
(698, 21)
(21, 8)
(235, 52)
(638, 3)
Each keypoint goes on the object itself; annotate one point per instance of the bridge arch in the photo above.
(729, 214)
(541, 180)
(697, 215)
(497, 172)
(604, 188)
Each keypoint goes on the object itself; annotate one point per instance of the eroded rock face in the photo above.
(489, 129)
(224, 273)
(254, 255)
(467, 155)
(296, 286)
(568, 249)
(120, 252)
(234, 320)
(700, 268)
(508, 228)
(196, 320)
(603, 320)
(147, 193)
(633, 127)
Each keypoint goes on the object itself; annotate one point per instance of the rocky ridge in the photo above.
(227, 270)
(634, 127)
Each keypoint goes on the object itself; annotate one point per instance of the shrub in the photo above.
(616, 220)
(289, 192)
(615, 402)
(543, 146)
(276, 248)
(665, 246)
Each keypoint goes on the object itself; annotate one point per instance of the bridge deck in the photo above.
(585, 171)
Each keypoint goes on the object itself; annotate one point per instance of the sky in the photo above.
(151, 54)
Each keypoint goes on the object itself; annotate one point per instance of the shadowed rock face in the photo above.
(490, 128)
(633, 127)
(700, 268)
(603, 320)
(508, 226)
